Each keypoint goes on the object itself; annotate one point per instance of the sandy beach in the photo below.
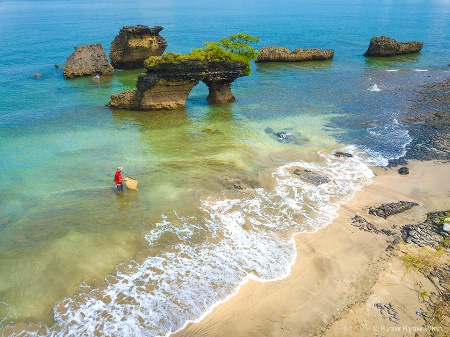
(347, 281)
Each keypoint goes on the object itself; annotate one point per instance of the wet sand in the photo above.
(342, 273)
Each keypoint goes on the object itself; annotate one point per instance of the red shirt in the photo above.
(118, 178)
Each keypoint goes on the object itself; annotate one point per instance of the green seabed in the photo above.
(76, 234)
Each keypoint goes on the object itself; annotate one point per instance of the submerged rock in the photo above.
(281, 54)
(311, 177)
(286, 137)
(239, 183)
(342, 154)
(87, 60)
(134, 44)
(385, 46)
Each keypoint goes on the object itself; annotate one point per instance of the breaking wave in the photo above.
(204, 257)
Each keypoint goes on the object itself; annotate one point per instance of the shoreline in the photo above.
(341, 272)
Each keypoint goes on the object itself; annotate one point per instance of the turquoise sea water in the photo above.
(76, 260)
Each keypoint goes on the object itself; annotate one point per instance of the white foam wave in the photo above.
(391, 70)
(387, 142)
(374, 88)
(5, 312)
(249, 235)
(420, 69)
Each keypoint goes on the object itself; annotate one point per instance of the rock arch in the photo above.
(166, 86)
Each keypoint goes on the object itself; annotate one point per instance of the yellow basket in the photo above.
(131, 183)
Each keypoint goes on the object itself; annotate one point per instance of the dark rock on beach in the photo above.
(385, 46)
(403, 170)
(281, 54)
(134, 44)
(387, 311)
(386, 210)
(87, 60)
(361, 223)
(428, 233)
(311, 177)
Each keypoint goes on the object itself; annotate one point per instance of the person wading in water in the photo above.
(119, 179)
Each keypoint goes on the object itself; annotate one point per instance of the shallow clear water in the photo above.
(77, 259)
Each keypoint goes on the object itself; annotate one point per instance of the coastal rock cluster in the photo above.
(427, 120)
(86, 60)
(387, 311)
(431, 106)
(428, 233)
(386, 210)
(361, 223)
(281, 54)
(129, 49)
(134, 44)
(166, 86)
(386, 46)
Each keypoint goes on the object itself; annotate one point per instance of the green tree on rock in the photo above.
(237, 44)
(236, 48)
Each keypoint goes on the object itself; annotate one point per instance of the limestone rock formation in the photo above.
(87, 60)
(218, 78)
(166, 86)
(385, 46)
(281, 54)
(134, 44)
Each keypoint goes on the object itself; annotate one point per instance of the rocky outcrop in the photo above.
(364, 225)
(431, 106)
(385, 46)
(219, 77)
(134, 44)
(281, 54)
(428, 233)
(166, 86)
(87, 60)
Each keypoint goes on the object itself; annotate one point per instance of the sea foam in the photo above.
(374, 88)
